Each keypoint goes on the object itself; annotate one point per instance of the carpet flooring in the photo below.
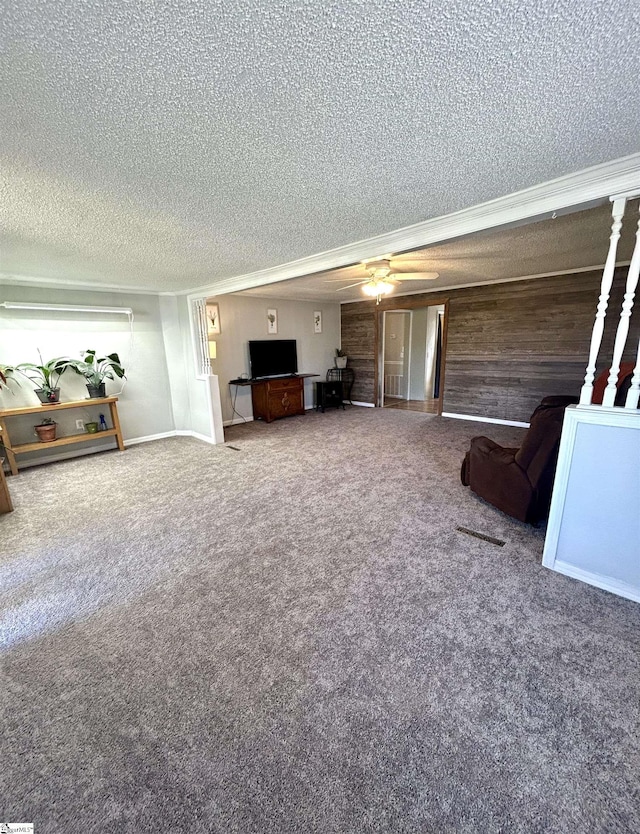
(291, 635)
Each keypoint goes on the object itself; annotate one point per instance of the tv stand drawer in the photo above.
(283, 384)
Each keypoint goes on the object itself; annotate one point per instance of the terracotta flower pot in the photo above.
(46, 432)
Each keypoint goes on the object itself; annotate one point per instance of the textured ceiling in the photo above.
(569, 242)
(169, 145)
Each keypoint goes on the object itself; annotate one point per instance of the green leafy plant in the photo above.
(47, 421)
(340, 352)
(46, 375)
(95, 369)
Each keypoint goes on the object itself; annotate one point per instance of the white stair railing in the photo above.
(633, 394)
(623, 325)
(202, 343)
(605, 290)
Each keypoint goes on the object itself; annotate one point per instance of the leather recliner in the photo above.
(518, 481)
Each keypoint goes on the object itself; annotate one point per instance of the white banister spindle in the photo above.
(633, 394)
(623, 325)
(200, 321)
(605, 290)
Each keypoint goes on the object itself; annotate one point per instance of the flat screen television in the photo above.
(273, 357)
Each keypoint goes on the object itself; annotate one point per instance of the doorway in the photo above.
(410, 359)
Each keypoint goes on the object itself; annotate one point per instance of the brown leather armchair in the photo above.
(519, 481)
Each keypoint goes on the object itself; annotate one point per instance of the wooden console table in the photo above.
(5, 499)
(43, 411)
(276, 397)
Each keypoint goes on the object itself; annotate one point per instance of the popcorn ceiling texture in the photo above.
(167, 145)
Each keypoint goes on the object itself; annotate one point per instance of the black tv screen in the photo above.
(273, 357)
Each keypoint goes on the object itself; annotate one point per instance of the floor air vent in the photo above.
(482, 536)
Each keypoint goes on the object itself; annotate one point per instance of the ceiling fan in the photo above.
(382, 277)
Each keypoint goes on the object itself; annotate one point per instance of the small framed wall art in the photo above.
(317, 321)
(272, 322)
(213, 319)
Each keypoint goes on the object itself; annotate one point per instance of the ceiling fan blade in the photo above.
(352, 285)
(415, 276)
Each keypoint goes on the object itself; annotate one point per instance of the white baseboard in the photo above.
(485, 419)
(205, 438)
(615, 586)
(163, 435)
(147, 438)
(91, 450)
(364, 405)
(178, 433)
(237, 421)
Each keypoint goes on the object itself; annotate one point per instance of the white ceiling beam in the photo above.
(579, 190)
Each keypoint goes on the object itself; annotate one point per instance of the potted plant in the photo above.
(341, 358)
(45, 377)
(96, 369)
(46, 430)
(5, 377)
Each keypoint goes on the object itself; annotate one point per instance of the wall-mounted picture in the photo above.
(272, 321)
(317, 321)
(213, 319)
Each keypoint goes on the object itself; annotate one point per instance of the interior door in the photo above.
(397, 354)
(410, 358)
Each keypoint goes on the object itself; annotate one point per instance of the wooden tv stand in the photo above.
(276, 397)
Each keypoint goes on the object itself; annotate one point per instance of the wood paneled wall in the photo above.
(507, 345)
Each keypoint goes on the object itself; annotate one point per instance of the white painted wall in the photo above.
(594, 524)
(417, 386)
(432, 340)
(176, 358)
(423, 351)
(196, 389)
(243, 318)
(145, 403)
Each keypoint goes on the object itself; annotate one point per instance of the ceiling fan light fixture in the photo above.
(376, 289)
(380, 273)
(379, 269)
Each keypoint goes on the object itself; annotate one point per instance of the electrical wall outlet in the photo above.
(79, 424)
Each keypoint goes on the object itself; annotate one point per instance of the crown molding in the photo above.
(580, 190)
(8, 278)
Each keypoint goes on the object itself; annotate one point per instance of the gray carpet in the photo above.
(293, 637)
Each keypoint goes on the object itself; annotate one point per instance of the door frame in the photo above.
(406, 304)
(381, 360)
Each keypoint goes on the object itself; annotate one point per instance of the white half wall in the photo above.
(175, 348)
(594, 523)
